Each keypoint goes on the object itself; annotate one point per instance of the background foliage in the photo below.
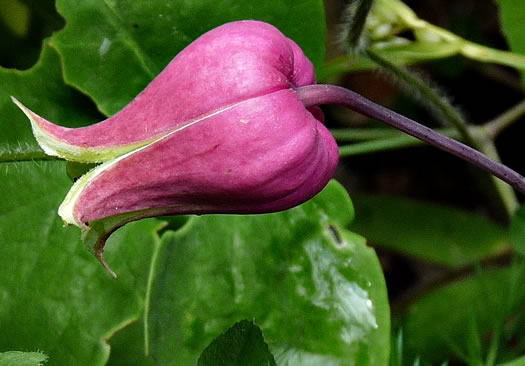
(299, 287)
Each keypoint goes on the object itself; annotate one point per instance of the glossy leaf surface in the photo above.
(316, 290)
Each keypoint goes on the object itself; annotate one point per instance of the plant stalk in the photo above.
(18, 156)
(314, 95)
(445, 112)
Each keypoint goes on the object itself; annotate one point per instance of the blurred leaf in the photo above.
(54, 295)
(316, 291)
(437, 325)
(24, 24)
(15, 15)
(434, 233)
(431, 42)
(517, 230)
(15, 358)
(396, 349)
(517, 362)
(42, 89)
(241, 345)
(512, 16)
(399, 54)
(101, 36)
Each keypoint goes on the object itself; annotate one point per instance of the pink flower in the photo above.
(220, 130)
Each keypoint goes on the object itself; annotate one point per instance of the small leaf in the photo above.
(75, 170)
(242, 345)
(15, 358)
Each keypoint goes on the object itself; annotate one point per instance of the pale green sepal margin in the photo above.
(66, 209)
(55, 147)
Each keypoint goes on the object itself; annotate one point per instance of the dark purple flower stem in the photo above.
(313, 95)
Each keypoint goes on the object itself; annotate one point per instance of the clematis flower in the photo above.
(220, 130)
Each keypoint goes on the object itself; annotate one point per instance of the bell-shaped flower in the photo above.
(220, 130)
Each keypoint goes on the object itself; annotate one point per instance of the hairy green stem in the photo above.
(26, 155)
(313, 95)
(357, 12)
(440, 107)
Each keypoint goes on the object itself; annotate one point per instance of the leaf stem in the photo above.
(363, 134)
(496, 126)
(357, 13)
(313, 95)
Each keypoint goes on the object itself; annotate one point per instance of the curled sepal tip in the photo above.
(95, 236)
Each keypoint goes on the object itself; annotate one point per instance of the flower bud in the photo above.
(220, 130)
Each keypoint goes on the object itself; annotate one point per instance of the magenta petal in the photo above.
(265, 154)
(220, 130)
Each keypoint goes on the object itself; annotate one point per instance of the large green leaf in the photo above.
(316, 291)
(441, 323)
(512, 15)
(242, 345)
(54, 296)
(435, 233)
(113, 49)
(16, 358)
(41, 88)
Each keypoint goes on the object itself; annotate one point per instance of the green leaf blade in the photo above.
(316, 290)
